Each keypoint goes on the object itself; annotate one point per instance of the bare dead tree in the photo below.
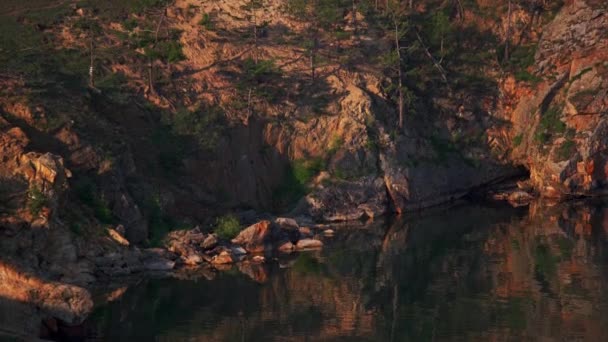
(508, 33)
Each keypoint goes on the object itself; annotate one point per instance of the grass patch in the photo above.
(227, 227)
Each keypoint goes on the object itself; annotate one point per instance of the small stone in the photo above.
(258, 258)
(209, 242)
(238, 251)
(328, 232)
(116, 236)
(286, 247)
(192, 259)
(287, 223)
(305, 231)
(159, 265)
(309, 244)
(222, 258)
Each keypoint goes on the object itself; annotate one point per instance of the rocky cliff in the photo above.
(198, 108)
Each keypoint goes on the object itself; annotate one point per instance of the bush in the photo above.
(227, 227)
(86, 191)
(206, 22)
(565, 150)
(549, 125)
(37, 200)
(206, 125)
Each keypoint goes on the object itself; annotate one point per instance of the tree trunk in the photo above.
(399, 74)
(255, 32)
(354, 3)
(150, 60)
(313, 52)
(92, 67)
(508, 33)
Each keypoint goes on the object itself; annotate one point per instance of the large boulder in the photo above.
(257, 237)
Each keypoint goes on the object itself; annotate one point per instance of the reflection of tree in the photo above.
(468, 273)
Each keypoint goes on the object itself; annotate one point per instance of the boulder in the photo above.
(255, 238)
(287, 223)
(209, 242)
(286, 247)
(222, 259)
(309, 244)
(116, 236)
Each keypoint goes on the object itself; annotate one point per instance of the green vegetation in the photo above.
(549, 125)
(545, 262)
(206, 125)
(227, 227)
(565, 150)
(566, 246)
(87, 193)
(308, 264)
(518, 139)
(36, 200)
(305, 170)
(335, 144)
(295, 181)
(262, 78)
(159, 223)
(206, 22)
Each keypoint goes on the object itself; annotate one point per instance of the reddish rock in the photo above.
(255, 238)
(309, 244)
(286, 247)
(222, 259)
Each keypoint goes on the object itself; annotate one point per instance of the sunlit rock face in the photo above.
(25, 300)
(560, 126)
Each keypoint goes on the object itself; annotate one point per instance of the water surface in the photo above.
(466, 273)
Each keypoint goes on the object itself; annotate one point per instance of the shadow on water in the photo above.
(465, 273)
(470, 272)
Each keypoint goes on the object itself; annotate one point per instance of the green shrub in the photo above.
(36, 200)
(205, 125)
(295, 181)
(305, 170)
(525, 76)
(206, 22)
(565, 150)
(263, 78)
(227, 227)
(549, 125)
(86, 191)
(335, 144)
(130, 24)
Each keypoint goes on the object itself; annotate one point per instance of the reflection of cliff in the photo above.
(540, 276)
(465, 273)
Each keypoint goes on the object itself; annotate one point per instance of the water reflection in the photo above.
(466, 273)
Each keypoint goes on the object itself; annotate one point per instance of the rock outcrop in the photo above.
(561, 127)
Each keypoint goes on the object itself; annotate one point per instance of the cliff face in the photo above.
(191, 114)
(560, 125)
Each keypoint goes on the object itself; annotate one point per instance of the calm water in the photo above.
(467, 273)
